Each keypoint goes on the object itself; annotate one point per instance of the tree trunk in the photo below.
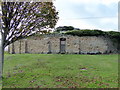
(1, 57)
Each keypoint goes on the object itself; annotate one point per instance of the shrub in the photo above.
(86, 32)
(64, 28)
(113, 34)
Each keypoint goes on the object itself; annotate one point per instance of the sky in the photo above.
(88, 14)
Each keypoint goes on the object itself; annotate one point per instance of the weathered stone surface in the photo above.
(73, 45)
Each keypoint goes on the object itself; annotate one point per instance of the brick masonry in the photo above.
(45, 44)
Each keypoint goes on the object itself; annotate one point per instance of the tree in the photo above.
(21, 19)
(64, 28)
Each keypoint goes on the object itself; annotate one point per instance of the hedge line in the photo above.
(87, 32)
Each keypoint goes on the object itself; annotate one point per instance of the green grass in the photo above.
(60, 71)
(0, 85)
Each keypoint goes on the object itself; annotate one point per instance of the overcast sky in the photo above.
(88, 14)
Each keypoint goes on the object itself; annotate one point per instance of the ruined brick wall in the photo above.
(73, 44)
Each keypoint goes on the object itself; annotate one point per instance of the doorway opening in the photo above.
(62, 45)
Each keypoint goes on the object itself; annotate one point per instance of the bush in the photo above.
(86, 32)
(64, 28)
(114, 34)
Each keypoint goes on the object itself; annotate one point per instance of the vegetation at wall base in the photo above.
(60, 71)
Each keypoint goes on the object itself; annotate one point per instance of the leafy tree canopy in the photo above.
(64, 28)
(21, 19)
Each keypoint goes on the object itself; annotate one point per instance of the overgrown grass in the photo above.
(60, 71)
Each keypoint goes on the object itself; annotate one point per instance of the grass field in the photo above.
(60, 71)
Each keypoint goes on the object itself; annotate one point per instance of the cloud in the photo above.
(102, 24)
(108, 21)
(71, 13)
(76, 23)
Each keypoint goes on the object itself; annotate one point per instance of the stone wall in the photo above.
(51, 44)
